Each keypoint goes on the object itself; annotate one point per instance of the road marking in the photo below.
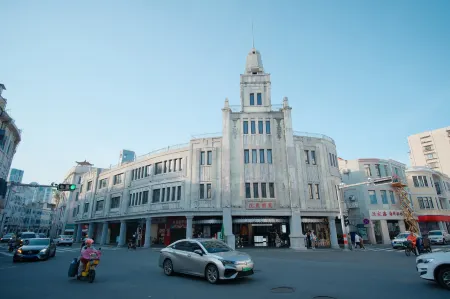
(6, 253)
(10, 267)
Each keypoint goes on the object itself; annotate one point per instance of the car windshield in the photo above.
(39, 242)
(7, 236)
(435, 233)
(215, 246)
(28, 236)
(64, 237)
(402, 236)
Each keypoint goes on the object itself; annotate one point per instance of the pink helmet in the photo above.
(89, 241)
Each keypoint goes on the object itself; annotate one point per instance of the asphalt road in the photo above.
(135, 274)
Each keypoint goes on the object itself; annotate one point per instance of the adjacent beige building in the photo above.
(431, 149)
(430, 195)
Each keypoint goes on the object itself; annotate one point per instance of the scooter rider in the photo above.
(85, 255)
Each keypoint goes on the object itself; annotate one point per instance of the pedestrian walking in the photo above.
(358, 241)
(308, 239)
(313, 240)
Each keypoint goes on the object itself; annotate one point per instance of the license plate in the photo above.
(246, 269)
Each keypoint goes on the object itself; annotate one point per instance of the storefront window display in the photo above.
(320, 228)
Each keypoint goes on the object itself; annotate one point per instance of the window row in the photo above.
(421, 181)
(172, 165)
(384, 198)
(425, 203)
(380, 170)
(252, 190)
(138, 198)
(333, 160)
(208, 158)
(258, 99)
(166, 194)
(310, 157)
(313, 191)
(140, 173)
(260, 127)
(262, 156)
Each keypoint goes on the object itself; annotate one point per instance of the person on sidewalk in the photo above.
(313, 240)
(358, 241)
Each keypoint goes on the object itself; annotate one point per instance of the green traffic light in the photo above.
(73, 187)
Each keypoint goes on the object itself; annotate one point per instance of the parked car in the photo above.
(435, 266)
(35, 249)
(208, 258)
(438, 237)
(398, 241)
(6, 238)
(63, 240)
(25, 237)
(41, 235)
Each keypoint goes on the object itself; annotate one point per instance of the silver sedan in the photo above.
(208, 258)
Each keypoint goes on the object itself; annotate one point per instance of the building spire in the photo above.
(253, 37)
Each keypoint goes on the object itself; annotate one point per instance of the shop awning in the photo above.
(434, 218)
(260, 220)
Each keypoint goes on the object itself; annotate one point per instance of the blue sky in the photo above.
(85, 80)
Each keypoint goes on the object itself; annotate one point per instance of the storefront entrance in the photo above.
(262, 232)
(320, 228)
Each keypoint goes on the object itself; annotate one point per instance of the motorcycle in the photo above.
(11, 245)
(131, 244)
(88, 272)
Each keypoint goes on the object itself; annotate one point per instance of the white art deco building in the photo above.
(259, 179)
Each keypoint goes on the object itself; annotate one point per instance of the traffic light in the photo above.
(3, 187)
(67, 187)
(346, 221)
(383, 181)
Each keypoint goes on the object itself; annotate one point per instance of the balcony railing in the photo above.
(313, 135)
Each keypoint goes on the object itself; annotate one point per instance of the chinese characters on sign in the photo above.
(385, 214)
(178, 223)
(260, 205)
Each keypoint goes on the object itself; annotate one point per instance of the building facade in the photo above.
(16, 175)
(374, 211)
(430, 195)
(10, 137)
(431, 149)
(256, 179)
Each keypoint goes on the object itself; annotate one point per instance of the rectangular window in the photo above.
(86, 207)
(246, 156)
(310, 191)
(247, 191)
(103, 183)
(77, 195)
(421, 183)
(317, 191)
(158, 168)
(421, 204)
(252, 99)
(425, 181)
(260, 127)
(386, 170)
(367, 170)
(373, 197)
(392, 196)
(430, 200)
(253, 127)
(416, 182)
(335, 161)
(313, 157)
(140, 198)
(179, 193)
(156, 195)
(269, 156)
(267, 126)
(306, 157)
(261, 156)
(254, 156)
(115, 202)
(330, 158)
(259, 99)
(89, 186)
(170, 165)
(255, 190)
(139, 173)
(175, 164)
(118, 179)
(245, 127)
(202, 191)
(263, 190)
(208, 191)
(384, 197)
(377, 170)
(209, 158)
(179, 165)
(173, 193)
(74, 212)
(202, 158)
(145, 197)
(272, 190)
(168, 194)
(163, 194)
(165, 166)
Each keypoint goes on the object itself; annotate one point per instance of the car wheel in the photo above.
(54, 253)
(15, 261)
(444, 242)
(443, 277)
(212, 274)
(168, 267)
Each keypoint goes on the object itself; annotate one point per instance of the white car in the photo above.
(435, 266)
(400, 239)
(438, 237)
(63, 240)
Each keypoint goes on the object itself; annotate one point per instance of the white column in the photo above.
(91, 230)
(401, 226)
(104, 233)
(442, 226)
(189, 227)
(297, 239)
(372, 238)
(385, 232)
(148, 232)
(79, 232)
(333, 233)
(122, 234)
(227, 222)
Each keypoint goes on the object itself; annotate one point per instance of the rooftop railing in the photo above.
(163, 150)
(238, 108)
(314, 135)
(206, 135)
